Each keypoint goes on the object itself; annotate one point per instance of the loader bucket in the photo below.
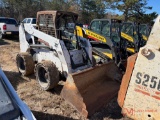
(90, 89)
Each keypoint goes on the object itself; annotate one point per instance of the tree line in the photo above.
(132, 10)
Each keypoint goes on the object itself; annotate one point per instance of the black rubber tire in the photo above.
(25, 63)
(47, 75)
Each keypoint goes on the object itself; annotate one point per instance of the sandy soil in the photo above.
(45, 105)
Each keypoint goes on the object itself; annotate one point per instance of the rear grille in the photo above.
(46, 24)
(47, 30)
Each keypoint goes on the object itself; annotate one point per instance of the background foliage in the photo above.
(132, 10)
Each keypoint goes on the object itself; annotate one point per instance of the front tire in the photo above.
(47, 75)
(25, 63)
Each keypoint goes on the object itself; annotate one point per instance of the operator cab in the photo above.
(57, 24)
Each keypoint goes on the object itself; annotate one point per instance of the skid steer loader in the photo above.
(104, 36)
(133, 36)
(139, 94)
(50, 52)
(130, 38)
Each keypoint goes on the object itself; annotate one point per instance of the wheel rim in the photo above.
(21, 64)
(43, 77)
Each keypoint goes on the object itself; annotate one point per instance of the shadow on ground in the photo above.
(2, 42)
(15, 78)
(46, 116)
(14, 38)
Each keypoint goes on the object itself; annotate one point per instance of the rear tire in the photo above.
(25, 64)
(47, 75)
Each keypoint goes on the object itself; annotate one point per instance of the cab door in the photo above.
(96, 26)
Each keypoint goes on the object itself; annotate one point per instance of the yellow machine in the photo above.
(104, 38)
(113, 40)
(144, 31)
(133, 36)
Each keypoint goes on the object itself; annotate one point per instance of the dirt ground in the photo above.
(46, 105)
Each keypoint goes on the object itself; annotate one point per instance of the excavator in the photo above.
(139, 94)
(50, 53)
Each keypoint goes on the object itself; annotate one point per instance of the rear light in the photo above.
(4, 27)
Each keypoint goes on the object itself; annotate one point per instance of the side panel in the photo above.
(64, 56)
(142, 100)
(48, 55)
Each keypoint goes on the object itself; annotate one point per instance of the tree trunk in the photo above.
(126, 15)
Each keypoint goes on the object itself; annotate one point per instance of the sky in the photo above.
(155, 4)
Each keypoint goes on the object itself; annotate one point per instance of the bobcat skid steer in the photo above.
(139, 94)
(51, 53)
(11, 106)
